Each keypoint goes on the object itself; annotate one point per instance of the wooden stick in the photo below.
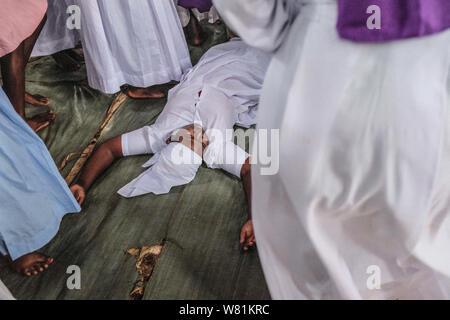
(86, 153)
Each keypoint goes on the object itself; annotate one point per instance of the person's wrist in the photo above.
(81, 184)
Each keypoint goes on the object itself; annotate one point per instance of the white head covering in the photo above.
(175, 165)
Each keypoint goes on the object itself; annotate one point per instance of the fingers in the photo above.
(248, 241)
(243, 236)
(78, 193)
(80, 198)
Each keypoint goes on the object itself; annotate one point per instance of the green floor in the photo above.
(197, 224)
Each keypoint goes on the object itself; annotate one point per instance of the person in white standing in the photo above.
(59, 35)
(359, 207)
(136, 42)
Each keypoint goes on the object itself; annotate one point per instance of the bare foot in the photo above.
(65, 62)
(31, 264)
(153, 92)
(41, 121)
(36, 100)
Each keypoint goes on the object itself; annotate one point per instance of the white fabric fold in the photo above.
(175, 165)
(225, 155)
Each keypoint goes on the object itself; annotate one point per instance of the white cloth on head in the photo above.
(222, 90)
(173, 166)
(135, 42)
(55, 35)
(362, 193)
(4, 292)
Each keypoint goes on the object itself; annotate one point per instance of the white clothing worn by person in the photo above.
(55, 35)
(221, 91)
(359, 208)
(135, 42)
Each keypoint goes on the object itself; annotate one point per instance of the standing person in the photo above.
(33, 195)
(135, 42)
(193, 27)
(359, 207)
(20, 25)
(57, 39)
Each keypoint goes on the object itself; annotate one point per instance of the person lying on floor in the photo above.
(33, 195)
(221, 91)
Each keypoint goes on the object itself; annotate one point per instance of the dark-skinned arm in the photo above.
(247, 238)
(102, 158)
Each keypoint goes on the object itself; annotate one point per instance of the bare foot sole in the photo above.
(36, 100)
(31, 264)
(41, 121)
(65, 62)
(153, 92)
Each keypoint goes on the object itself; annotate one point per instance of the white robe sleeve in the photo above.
(260, 23)
(225, 155)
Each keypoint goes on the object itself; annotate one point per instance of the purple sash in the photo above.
(201, 5)
(400, 19)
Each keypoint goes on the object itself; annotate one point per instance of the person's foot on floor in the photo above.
(74, 55)
(65, 62)
(36, 100)
(31, 264)
(153, 92)
(41, 121)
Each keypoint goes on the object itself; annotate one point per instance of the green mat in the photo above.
(197, 224)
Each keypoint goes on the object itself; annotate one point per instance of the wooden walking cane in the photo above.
(118, 101)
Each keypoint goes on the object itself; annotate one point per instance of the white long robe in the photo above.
(136, 42)
(4, 292)
(362, 195)
(55, 35)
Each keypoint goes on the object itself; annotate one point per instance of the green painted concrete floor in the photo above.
(197, 225)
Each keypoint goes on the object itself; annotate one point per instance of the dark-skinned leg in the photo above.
(13, 74)
(34, 99)
(195, 32)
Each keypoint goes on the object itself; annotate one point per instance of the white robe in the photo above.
(229, 77)
(4, 292)
(55, 35)
(135, 42)
(362, 193)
